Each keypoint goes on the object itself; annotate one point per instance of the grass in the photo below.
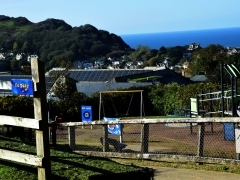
(185, 165)
(11, 25)
(64, 163)
(8, 24)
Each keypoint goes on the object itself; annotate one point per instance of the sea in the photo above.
(227, 37)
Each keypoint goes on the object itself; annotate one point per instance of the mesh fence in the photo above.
(163, 138)
(219, 139)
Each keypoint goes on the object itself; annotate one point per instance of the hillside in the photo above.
(56, 42)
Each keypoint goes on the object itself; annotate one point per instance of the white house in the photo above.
(193, 46)
(2, 56)
(19, 56)
(231, 51)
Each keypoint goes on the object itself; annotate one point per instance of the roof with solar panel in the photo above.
(99, 75)
(121, 75)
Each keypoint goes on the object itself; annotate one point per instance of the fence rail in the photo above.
(156, 121)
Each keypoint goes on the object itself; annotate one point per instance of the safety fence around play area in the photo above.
(210, 138)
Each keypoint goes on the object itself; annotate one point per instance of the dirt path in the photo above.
(165, 173)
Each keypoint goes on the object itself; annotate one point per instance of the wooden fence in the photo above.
(40, 123)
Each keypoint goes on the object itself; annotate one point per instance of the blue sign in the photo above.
(22, 86)
(86, 113)
(113, 128)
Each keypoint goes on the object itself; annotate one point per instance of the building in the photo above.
(90, 81)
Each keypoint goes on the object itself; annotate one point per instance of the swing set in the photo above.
(101, 104)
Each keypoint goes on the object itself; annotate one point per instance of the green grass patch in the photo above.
(64, 163)
(8, 24)
(11, 25)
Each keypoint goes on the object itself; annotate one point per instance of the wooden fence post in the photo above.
(144, 138)
(200, 142)
(40, 113)
(71, 136)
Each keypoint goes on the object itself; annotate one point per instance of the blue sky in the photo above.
(130, 16)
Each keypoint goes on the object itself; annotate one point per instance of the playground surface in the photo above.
(165, 173)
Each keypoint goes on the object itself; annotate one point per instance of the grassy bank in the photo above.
(64, 164)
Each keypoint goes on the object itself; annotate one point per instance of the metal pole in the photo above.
(100, 100)
(222, 90)
(48, 102)
(141, 104)
(232, 97)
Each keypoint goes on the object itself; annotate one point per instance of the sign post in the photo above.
(86, 114)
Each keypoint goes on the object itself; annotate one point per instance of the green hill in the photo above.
(56, 42)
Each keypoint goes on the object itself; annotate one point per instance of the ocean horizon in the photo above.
(227, 37)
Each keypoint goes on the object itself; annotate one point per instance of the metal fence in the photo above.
(193, 137)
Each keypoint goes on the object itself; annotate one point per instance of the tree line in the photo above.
(158, 100)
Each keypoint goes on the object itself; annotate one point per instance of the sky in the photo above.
(130, 16)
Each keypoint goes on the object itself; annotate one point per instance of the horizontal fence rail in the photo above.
(21, 157)
(155, 121)
(20, 122)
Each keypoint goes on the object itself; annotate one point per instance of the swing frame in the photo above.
(127, 91)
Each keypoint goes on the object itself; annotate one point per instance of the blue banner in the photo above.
(113, 128)
(86, 112)
(22, 86)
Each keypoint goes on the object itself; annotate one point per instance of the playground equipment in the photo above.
(101, 105)
(116, 129)
(225, 102)
(180, 112)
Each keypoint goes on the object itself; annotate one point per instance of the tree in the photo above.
(15, 46)
(26, 48)
(14, 64)
(64, 86)
(152, 61)
(175, 53)
(207, 61)
(142, 53)
(162, 51)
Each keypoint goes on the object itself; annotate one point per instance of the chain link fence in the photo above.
(191, 139)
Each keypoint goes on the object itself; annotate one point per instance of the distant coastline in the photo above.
(227, 37)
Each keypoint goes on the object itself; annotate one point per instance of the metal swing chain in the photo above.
(129, 105)
(116, 112)
(103, 109)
